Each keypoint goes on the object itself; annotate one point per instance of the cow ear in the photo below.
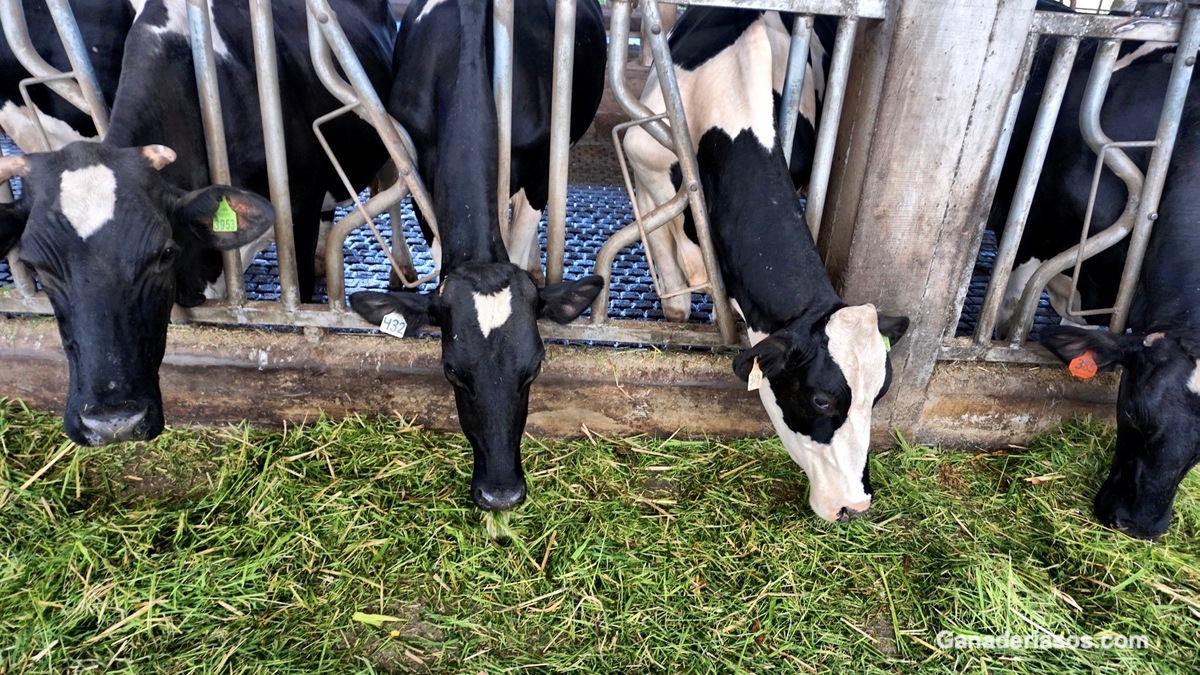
(1108, 350)
(566, 300)
(225, 217)
(772, 354)
(418, 309)
(12, 226)
(893, 327)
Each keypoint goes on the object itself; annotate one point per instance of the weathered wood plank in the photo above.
(942, 87)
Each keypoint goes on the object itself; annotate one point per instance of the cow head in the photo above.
(1158, 420)
(820, 383)
(106, 237)
(491, 353)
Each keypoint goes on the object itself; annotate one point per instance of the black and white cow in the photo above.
(1158, 406)
(486, 306)
(103, 24)
(677, 257)
(824, 363)
(118, 231)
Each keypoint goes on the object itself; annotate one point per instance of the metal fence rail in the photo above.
(331, 51)
(670, 129)
(1144, 190)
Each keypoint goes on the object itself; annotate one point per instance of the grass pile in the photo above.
(350, 546)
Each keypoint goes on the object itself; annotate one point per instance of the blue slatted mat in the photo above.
(596, 208)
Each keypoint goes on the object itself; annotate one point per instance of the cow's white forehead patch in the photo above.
(1194, 380)
(492, 309)
(857, 348)
(88, 198)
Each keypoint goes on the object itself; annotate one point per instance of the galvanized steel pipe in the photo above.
(81, 63)
(213, 121)
(793, 85)
(16, 31)
(831, 116)
(560, 138)
(1031, 171)
(502, 87)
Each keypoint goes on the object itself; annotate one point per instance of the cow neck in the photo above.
(1169, 293)
(465, 181)
(768, 259)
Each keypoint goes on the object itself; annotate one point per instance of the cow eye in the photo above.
(456, 378)
(168, 255)
(822, 402)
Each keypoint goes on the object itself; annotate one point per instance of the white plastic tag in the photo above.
(754, 382)
(393, 324)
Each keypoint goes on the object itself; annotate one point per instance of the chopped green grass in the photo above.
(351, 546)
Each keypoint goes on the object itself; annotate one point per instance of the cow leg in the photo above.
(306, 228)
(522, 241)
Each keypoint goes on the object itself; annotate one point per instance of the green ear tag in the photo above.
(887, 342)
(225, 219)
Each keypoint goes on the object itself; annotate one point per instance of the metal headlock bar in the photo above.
(1144, 190)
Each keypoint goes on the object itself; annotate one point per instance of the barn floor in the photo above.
(349, 546)
(597, 206)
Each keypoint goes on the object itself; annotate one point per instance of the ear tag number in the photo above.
(754, 382)
(393, 324)
(225, 219)
(1084, 366)
(887, 342)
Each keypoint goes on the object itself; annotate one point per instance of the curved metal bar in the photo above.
(81, 64)
(686, 152)
(1116, 161)
(213, 121)
(1031, 171)
(618, 58)
(393, 136)
(16, 31)
(793, 85)
(831, 116)
(1160, 158)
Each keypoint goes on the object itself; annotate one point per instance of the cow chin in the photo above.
(116, 423)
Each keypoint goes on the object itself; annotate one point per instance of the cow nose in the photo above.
(113, 424)
(499, 499)
(848, 513)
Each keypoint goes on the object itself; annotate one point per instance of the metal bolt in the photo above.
(406, 172)
(323, 18)
(1189, 61)
(692, 187)
(1153, 216)
(655, 29)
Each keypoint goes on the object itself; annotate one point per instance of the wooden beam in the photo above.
(930, 91)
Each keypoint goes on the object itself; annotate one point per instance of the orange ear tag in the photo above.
(1084, 365)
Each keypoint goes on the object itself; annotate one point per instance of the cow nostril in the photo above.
(500, 499)
(847, 514)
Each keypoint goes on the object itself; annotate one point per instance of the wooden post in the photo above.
(924, 109)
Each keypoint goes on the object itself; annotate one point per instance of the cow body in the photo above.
(699, 40)
(118, 231)
(103, 24)
(486, 306)
(824, 363)
(1158, 409)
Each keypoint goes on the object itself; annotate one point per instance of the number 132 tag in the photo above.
(393, 324)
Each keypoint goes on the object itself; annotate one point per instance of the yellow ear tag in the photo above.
(225, 219)
(754, 382)
(887, 342)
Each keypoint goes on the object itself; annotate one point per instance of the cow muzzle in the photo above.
(102, 425)
(498, 498)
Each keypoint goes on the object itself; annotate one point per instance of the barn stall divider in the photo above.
(910, 166)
